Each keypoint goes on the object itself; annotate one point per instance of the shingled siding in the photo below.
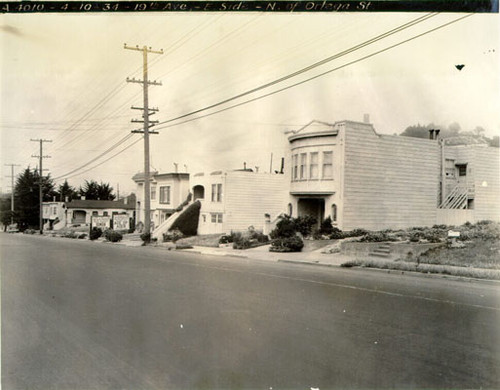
(248, 196)
(389, 181)
(487, 184)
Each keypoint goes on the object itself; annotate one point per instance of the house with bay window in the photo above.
(362, 179)
(168, 191)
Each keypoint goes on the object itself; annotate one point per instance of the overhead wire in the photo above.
(295, 84)
(303, 81)
(307, 68)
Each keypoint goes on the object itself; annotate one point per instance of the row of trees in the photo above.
(27, 197)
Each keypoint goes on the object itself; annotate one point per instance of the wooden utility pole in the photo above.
(147, 125)
(40, 182)
(12, 191)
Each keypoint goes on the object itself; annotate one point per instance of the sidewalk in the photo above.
(262, 253)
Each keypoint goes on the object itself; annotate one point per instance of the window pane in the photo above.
(219, 192)
(327, 165)
(313, 171)
(213, 217)
(295, 166)
(214, 189)
(303, 159)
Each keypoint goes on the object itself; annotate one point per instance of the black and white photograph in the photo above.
(250, 195)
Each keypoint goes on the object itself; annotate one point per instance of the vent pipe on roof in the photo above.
(176, 165)
(366, 118)
(282, 165)
(245, 166)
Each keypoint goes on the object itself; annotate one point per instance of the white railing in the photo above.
(456, 199)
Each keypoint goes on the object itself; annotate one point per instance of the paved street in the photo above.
(83, 315)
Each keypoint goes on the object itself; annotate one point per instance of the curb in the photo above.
(317, 264)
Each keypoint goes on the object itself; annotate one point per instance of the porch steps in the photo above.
(383, 250)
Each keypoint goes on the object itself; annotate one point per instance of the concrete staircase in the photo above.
(383, 250)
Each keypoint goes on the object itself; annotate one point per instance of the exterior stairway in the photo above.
(383, 250)
(456, 199)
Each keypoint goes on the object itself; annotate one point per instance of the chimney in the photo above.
(282, 165)
(256, 169)
(437, 133)
(431, 134)
(176, 165)
(53, 199)
(245, 166)
(66, 199)
(366, 118)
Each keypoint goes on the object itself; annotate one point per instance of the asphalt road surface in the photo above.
(83, 315)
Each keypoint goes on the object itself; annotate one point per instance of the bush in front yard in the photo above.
(287, 244)
(95, 233)
(187, 222)
(146, 237)
(112, 235)
(304, 224)
(285, 227)
(172, 235)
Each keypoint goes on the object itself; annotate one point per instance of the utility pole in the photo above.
(147, 125)
(12, 191)
(40, 183)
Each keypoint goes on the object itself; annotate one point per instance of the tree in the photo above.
(27, 198)
(95, 191)
(66, 191)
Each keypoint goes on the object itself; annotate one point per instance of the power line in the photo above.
(310, 67)
(105, 161)
(298, 83)
(111, 148)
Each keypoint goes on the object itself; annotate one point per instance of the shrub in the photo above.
(336, 234)
(248, 239)
(287, 244)
(30, 231)
(187, 222)
(172, 235)
(285, 227)
(95, 233)
(356, 233)
(226, 239)
(82, 236)
(304, 224)
(377, 237)
(146, 237)
(112, 235)
(70, 235)
(326, 226)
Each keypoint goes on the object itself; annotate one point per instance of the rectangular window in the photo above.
(313, 166)
(295, 166)
(216, 192)
(327, 165)
(153, 192)
(216, 217)
(449, 168)
(462, 170)
(165, 195)
(303, 162)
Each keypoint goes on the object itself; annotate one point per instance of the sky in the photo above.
(63, 78)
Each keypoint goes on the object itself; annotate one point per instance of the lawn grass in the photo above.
(469, 272)
(207, 240)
